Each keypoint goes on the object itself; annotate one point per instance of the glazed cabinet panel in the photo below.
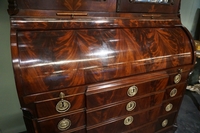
(99, 66)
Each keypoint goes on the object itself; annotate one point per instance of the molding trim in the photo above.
(12, 7)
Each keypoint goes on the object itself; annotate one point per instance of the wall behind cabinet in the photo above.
(190, 14)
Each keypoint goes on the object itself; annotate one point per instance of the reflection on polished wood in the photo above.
(99, 66)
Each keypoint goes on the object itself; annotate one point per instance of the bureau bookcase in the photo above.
(99, 66)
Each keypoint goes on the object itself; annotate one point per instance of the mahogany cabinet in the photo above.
(99, 66)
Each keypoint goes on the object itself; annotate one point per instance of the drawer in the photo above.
(178, 78)
(128, 107)
(125, 123)
(62, 105)
(175, 90)
(166, 121)
(70, 123)
(123, 92)
(54, 94)
(170, 106)
(147, 128)
(69, 5)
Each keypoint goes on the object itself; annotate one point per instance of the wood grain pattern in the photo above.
(50, 125)
(74, 57)
(180, 89)
(69, 5)
(109, 112)
(94, 59)
(139, 120)
(112, 95)
(169, 117)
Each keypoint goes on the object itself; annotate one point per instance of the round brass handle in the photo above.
(63, 106)
(173, 92)
(132, 91)
(128, 120)
(169, 107)
(177, 78)
(164, 123)
(64, 124)
(131, 106)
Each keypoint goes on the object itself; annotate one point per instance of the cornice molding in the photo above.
(12, 7)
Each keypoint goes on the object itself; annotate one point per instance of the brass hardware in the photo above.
(151, 16)
(131, 106)
(63, 105)
(64, 124)
(177, 78)
(164, 123)
(71, 14)
(169, 107)
(132, 91)
(173, 92)
(128, 120)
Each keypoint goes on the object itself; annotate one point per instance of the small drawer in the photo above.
(125, 123)
(166, 121)
(123, 92)
(128, 107)
(60, 105)
(175, 91)
(170, 106)
(70, 123)
(178, 78)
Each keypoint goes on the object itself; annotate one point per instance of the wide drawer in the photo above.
(69, 123)
(124, 108)
(61, 105)
(124, 89)
(126, 123)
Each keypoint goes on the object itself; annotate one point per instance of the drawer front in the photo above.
(125, 108)
(178, 78)
(166, 121)
(175, 91)
(148, 128)
(68, 123)
(69, 5)
(126, 123)
(170, 106)
(122, 93)
(62, 105)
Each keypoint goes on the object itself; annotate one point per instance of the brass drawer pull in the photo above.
(128, 120)
(132, 91)
(177, 78)
(71, 14)
(173, 92)
(131, 106)
(164, 123)
(64, 124)
(62, 105)
(169, 107)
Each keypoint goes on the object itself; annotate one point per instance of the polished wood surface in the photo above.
(106, 66)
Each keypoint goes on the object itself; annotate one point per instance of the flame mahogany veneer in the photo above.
(99, 66)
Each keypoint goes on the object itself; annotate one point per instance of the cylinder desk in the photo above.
(99, 66)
